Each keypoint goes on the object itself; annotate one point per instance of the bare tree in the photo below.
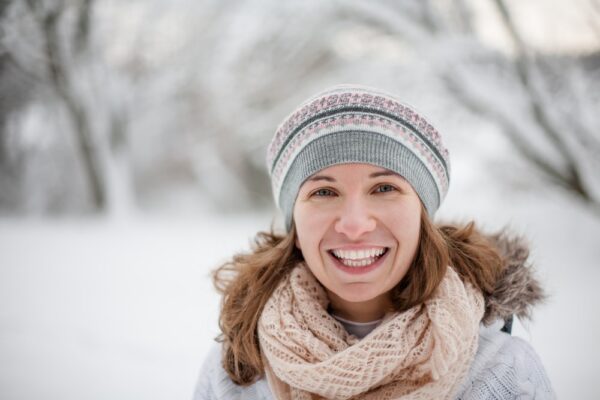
(58, 75)
(532, 75)
(50, 43)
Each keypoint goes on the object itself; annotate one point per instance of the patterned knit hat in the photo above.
(357, 124)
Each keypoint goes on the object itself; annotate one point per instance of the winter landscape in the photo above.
(132, 164)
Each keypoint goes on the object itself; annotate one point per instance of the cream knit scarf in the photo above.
(422, 353)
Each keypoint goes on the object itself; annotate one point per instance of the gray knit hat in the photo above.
(357, 124)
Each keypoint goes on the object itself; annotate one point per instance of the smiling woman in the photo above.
(364, 297)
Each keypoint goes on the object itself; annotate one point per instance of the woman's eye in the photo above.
(323, 193)
(385, 188)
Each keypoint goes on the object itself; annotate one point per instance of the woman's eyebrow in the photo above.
(322, 178)
(384, 173)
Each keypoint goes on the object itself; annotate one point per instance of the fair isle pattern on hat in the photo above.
(357, 124)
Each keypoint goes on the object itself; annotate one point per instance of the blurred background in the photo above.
(132, 162)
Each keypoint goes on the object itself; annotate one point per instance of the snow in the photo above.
(95, 309)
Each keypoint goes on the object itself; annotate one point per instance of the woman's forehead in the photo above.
(356, 169)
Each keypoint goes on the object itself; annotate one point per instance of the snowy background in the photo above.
(132, 142)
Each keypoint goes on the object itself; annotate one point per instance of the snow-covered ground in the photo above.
(124, 309)
(97, 309)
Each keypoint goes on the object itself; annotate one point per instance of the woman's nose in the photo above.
(355, 219)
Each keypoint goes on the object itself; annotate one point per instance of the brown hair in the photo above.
(249, 279)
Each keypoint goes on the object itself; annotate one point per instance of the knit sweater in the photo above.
(505, 367)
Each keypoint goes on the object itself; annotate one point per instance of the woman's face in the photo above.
(358, 229)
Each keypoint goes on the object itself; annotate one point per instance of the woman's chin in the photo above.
(357, 292)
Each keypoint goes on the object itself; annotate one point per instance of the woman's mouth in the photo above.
(358, 261)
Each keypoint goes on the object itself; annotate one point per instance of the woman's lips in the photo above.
(359, 270)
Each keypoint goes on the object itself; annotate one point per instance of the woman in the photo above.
(364, 297)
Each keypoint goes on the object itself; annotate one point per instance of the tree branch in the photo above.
(572, 178)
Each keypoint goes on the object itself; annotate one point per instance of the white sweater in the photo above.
(505, 367)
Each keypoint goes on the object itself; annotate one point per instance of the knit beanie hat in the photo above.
(357, 124)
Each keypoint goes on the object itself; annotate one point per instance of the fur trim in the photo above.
(517, 290)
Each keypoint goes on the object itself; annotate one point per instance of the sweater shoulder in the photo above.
(506, 367)
(214, 383)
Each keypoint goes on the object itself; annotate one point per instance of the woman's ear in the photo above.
(298, 243)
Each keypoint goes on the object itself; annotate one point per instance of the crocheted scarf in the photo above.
(421, 353)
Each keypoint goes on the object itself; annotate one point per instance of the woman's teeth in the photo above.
(359, 258)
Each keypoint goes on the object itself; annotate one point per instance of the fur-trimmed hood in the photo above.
(518, 290)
